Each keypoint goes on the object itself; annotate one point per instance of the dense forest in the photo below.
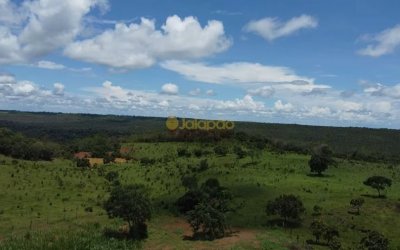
(346, 142)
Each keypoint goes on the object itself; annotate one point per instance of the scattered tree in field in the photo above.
(317, 230)
(254, 153)
(320, 230)
(132, 204)
(189, 200)
(109, 158)
(357, 204)
(221, 150)
(287, 207)
(112, 176)
(330, 233)
(380, 183)
(183, 152)
(83, 163)
(203, 166)
(198, 152)
(374, 241)
(317, 210)
(207, 221)
(321, 159)
(239, 152)
(206, 207)
(335, 244)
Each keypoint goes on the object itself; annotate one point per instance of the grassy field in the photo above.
(56, 196)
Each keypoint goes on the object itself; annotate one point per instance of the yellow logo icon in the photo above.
(172, 123)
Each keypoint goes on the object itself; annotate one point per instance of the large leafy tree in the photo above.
(321, 159)
(207, 220)
(287, 207)
(379, 183)
(206, 208)
(321, 230)
(132, 204)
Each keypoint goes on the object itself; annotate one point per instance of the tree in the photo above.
(83, 163)
(209, 220)
(189, 200)
(317, 210)
(379, 183)
(357, 204)
(287, 207)
(109, 158)
(374, 241)
(132, 204)
(335, 244)
(317, 230)
(239, 152)
(320, 230)
(221, 150)
(330, 233)
(206, 208)
(112, 176)
(321, 159)
(255, 153)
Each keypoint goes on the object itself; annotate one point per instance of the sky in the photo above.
(331, 63)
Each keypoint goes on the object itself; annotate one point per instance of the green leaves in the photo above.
(286, 206)
(130, 203)
(379, 183)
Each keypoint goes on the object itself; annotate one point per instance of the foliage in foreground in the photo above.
(131, 203)
(89, 239)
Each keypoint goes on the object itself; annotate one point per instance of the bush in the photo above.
(203, 166)
(83, 163)
(147, 161)
(132, 204)
(183, 152)
(112, 176)
(221, 150)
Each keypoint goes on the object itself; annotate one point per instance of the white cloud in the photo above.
(383, 90)
(266, 91)
(281, 107)
(49, 25)
(43, 64)
(170, 89)
(195, 92)
(385, 43)
(49, 65)
(234, 73)
(58, 88)
(362, 108)
(10, 13)
(141, 45)
(272, 28)
(210, 92)
(7, 79)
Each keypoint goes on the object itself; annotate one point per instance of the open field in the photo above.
(57, 196)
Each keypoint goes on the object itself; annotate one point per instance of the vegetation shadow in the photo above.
(199, 236)
(282, 223)
(313, 242)
(320, 175)
(374, 196)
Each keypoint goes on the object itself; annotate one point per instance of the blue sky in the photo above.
(307, 62)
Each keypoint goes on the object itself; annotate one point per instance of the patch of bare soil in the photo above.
(237, 236)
